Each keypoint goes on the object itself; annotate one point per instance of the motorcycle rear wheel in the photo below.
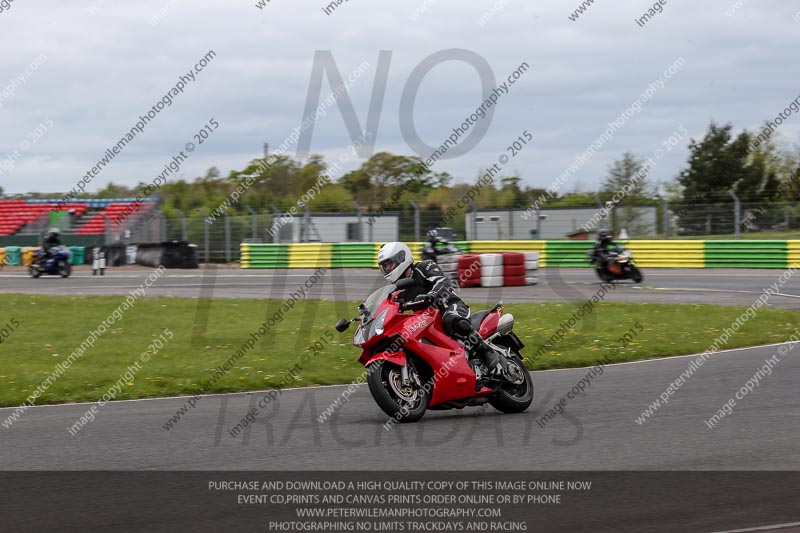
(604, 276)
(403, 403)
(514, 398)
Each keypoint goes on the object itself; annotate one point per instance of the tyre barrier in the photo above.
(513, 269)
(175, 254)
(491, 270)
(531, 268)
(506, 269)
(171, 254)
(469, 270)
(510, 271)
(13, 256)
(116, 256)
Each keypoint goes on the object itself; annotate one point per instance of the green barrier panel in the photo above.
(78, 255)
(13, 255)
(265, 255)
(567, 253)
(716, 254)
(353, 255)
(746, 254)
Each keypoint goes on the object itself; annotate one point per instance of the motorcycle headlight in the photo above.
(379, 322)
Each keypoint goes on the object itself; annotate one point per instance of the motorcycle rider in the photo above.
(602, 252)
(429, 248)
(432, 286)
(51, 241)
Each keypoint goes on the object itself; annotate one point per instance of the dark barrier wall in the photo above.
(173, 254)
(115, 255)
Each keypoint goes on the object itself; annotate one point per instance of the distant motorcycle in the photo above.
(57, 264)
(436, 252)
(619, 266)
(444, 254)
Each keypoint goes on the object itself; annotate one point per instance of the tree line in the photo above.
(755, 168)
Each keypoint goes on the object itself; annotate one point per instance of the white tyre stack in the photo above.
(491, 270)
(531, 268)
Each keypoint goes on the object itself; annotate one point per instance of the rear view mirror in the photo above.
(404, 283)
(342, 325)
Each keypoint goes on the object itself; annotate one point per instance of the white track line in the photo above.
(762, 528)
(719, 290)
(656, 360)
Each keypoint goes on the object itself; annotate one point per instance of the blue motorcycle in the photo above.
(56, 263)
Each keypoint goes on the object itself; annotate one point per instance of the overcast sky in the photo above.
(105, 63)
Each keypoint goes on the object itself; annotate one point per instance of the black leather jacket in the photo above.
(602, 251)
(51, 241)
(429, 279)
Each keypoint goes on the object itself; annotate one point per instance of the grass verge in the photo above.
(38, 332)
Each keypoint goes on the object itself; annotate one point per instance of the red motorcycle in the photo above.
(413, 365)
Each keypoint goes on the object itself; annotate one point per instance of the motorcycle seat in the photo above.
(477, 318)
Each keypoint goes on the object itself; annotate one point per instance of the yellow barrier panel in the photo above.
(3, 256)
(793, 253)
(310, 255)
(668, 254)
(27, 255)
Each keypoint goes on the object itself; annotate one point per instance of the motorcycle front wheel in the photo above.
(512, 398)
(403, 403)
(33, 271)
(636, 275)
(64, 269)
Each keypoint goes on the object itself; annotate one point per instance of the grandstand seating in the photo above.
(97, 224)
(15, 214)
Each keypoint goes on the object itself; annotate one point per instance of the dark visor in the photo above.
(387, 265)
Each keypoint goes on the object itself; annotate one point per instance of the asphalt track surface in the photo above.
(597, 431)
(720, 286)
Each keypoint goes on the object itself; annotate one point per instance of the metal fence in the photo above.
(219, 240)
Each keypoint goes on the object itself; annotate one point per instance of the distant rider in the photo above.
(603, 247)
(51, 241)
(432, 286)
(432, 238)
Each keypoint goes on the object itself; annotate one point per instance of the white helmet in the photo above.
(394, 258)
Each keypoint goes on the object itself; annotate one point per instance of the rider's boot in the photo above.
(493, 360)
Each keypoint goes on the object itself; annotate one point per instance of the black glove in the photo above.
(427, 298)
